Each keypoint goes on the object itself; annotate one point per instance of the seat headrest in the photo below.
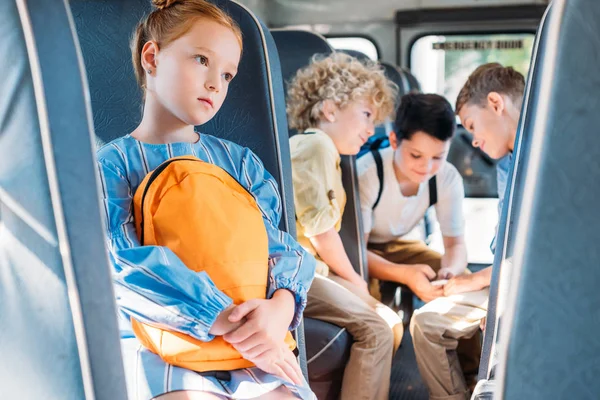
(356, 54)
(393, 74)
(296, 49)
(413, 84)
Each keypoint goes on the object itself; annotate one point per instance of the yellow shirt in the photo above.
(319, 196)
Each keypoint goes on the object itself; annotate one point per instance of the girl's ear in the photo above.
(329, 110)
(148, 56)
(496, 102)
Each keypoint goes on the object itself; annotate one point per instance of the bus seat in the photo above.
(549, 334)
(356, 54)
(324, 345)
(411, 82)
(507, 227)
(59, 335)
(253, 114)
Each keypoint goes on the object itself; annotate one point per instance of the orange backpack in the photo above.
(212, 224)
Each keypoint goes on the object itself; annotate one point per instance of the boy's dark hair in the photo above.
(429, 113)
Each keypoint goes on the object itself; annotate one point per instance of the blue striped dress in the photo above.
(154, 286)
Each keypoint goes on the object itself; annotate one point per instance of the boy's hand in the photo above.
(265, 321)
(418, 280)
(462, 284)
(482, 323)
(445, 273)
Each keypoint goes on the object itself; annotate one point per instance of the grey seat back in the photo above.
(59, 331)
(515, 187)
(549, 337)
(411, 82)
(253, 114)
(297, 48)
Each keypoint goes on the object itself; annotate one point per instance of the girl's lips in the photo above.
(207, 101)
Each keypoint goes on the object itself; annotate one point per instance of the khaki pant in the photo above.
(469, 347)
(436, 329)
(408, 252)
(376, 331)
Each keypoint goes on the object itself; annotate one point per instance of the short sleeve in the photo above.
(449, 208)
(314, 173)
(368, 184)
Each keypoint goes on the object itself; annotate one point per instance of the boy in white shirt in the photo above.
(414, 167)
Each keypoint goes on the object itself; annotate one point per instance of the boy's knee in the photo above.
(425, 323)
(381, 333)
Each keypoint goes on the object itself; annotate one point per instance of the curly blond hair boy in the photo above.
(340, 79)
(335, 102)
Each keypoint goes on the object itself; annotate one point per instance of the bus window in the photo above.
(442, 63)
(361, 44)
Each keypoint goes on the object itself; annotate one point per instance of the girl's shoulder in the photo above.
(115, 152)
(214, 143)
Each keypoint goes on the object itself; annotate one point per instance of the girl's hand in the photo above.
(223, 325)
(265, 321)
(276, 359)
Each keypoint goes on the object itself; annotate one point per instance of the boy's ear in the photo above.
(329, 110)
(496, 102)
(393, 140)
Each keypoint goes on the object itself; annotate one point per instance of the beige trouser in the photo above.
(376, 331)
(436, 329)
(417, 252)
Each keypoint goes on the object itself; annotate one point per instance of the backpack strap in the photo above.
(374, 147)
(432, 191)
(379, 164)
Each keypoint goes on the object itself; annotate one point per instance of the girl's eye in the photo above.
(228, 77)
(415, 156)
(201, 59)
(437, 158)
(368, 114)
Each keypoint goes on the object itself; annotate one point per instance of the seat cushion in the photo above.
(327, 348)
(327, 352)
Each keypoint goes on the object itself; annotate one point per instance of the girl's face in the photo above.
(192, 74)
(349, 127)
(491, 125)
(420, 157)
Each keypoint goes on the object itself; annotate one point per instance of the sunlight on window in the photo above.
(361, 44)
(442, 63)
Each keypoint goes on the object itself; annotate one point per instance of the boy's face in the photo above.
(351, 126)
(489, 125)
(420, 157)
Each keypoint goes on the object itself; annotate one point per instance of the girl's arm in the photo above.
(151, 283)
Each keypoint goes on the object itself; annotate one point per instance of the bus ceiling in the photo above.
(279, 13)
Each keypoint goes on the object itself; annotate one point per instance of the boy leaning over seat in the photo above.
(489, 107)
